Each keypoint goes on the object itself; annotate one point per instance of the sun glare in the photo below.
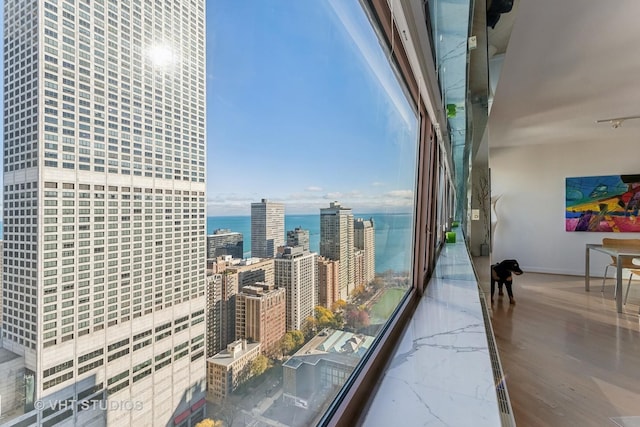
(161, 56)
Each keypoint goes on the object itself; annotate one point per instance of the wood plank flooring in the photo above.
(569, 358)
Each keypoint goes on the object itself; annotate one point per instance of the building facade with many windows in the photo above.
(336, 242)
(328, 282)
(296, 270)
(364, 240)
(104, 205)
(261, 316)
(267, 228)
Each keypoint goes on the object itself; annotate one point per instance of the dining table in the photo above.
(619, 253)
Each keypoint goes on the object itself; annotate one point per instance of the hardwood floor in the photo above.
(569, 358)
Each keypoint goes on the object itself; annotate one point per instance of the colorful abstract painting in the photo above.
(603, 203)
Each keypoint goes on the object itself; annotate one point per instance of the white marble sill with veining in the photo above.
(441, 374)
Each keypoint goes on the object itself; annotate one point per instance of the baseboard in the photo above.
(555, 271)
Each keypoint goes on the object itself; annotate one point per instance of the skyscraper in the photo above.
(364, 239)
(296, 270)
(336, 242)
(267, 228)
(298, 237)
(104, 205)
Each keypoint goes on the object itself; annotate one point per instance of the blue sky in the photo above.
(303, 108)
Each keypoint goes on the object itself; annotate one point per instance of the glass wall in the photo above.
(306, 114)
(319, 149)
(450, 23)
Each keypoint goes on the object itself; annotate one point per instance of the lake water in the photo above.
(392, 235)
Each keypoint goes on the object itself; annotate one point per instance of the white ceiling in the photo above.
(567, 64)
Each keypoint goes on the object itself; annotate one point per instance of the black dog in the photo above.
(501, 274)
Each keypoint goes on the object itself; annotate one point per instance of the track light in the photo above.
(616, 122)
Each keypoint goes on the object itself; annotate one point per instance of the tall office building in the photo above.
(336, 242)
(225, 242)
(296, 270)
(298, 237)
(364, 239)
(267, 228)
(104, 206)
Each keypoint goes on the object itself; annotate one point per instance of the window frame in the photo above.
(430, 217)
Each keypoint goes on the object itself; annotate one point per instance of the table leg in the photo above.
(586, 270)
(618, 284)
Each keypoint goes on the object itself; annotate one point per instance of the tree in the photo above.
(310, 326)
(338, 306)
(227, 413)
(326, 319)
(292, 341)
(208, 422)
(358, 291)
(377, 283)
(298, 338)
(287, 344)
(357, 318)
(259, 365)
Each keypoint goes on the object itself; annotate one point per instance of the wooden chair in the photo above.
(632, 271)
(627, 263)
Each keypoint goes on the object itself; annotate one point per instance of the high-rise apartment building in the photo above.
(336, 242)
(298, 237)
(328, 282)
(104, 206)
(296, 270)
(225, 242)
(267, 228)
(226, 311)
(364, 240)
(261, 315)
(214, 313)
(358, 268)
(230, 276)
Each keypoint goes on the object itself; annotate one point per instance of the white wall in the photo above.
(530, 213)
(477, 227)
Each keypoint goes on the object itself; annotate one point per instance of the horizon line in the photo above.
(313, 214)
